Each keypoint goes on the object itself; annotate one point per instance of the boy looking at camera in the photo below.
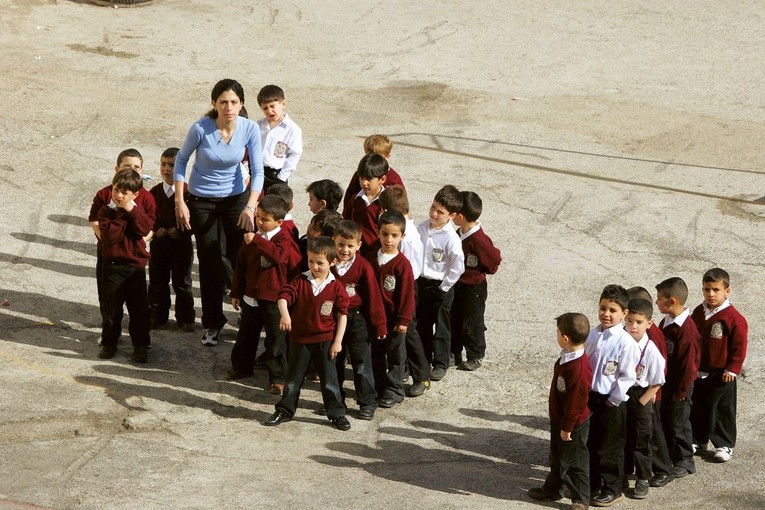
(373, 144)
(365, 208)
(281, 138)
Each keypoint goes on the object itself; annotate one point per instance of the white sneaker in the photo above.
(210, 337)
(701, 449)
(723, 454)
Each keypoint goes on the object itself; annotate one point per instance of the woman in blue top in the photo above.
(218, 200)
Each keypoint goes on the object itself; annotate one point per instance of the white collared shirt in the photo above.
(343, 267)
(469, 232)
(679, 320)
(443, 259)
(282, 145)
(650, 368)
(412, 248)
(708, 313)
(566, 357)
(318, 287)
(113, 204)
(169, 189)
(613, 354)
(384, 258)
(366, 199)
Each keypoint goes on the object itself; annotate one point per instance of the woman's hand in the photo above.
(247, 219)
(182, 217)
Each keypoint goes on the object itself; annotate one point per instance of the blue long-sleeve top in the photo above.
(216, 172)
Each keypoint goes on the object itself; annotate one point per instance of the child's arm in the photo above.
(649, 394)
(686, 351)
(737, 344)
(294, 151)
(625, 376)
(455, 263)
(285, 324)
(337, 343)
(235, 303)
(96, 229)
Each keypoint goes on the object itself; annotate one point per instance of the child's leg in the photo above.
(426, 314)
(723, 412)
(159, 278)
(575, 463)
(300, 355)
(108, 315)
(419, 367)
(442, 338)
(182, 260)
(359, 349)
(330, 390)
(458, 322)
(701, 410)
(682, 455)
(113, 291)
(396, 356)
(474, 308)
(379, 366)
(247, 339)
(138, 306)
(642, 423)
(661, 463)
(274, 356)
(606, 445)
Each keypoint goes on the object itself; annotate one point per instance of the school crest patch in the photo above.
(639, 371)
(389, 284)
(610, 368)
(351, 289)
(717, 330)
(437, 255)
(280, 150)
(560, 384)
(326, 308)
(670, 347)
(471, 260)
(265, 263)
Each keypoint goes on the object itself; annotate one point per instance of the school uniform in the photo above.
(470, 293)
(639, 449)
(354, 186)
(613, 356)
(314, 307)
(282, 146)
(416, 360)
(443, 264)
(682, 339)
(724, 337)
(289, 225)
(171, 260)
(567, 407)
(365, 213)
(661, 462)
(366, 313)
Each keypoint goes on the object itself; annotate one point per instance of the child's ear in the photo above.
(383, 179)
(323, 204)
(279, 222)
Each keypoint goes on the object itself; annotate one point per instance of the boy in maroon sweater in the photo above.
(325, 194)
(123, 225)
(366, 314)
(470, 291)
(365, 208)
(320, 303)
(373, 144)
(682, 340)
(261, 270)
(127, 159)
(285, 192)
(394, 275)
(172, 254)
(569, 416)
(724, 337)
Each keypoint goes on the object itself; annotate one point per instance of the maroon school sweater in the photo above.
(104, 196)
(262, 267)
(122, 235)
(364, 293)
(396, 282)
(391, 178)
(165, 207)
(481, 258)
(724, 338)
(289, 226)
(569, 392)
(682, 357)
(365, 216)
(657, 337)
(313, 317)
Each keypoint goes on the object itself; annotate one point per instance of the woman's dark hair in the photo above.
(225, 86)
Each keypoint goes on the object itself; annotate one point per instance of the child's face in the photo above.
(637, 324)
(663, 303)
(228, 105)
(346, 248)
(715, 293)
(130, 162)
(390, 237)
(371, 186)
(266, 221)
(319, 265)
(122, 197)
(312, 232)
(166, 169)
(314, 204)
(274, 110)
(439, 216)
(610, 313)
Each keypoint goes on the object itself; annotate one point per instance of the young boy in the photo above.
(470, 292)
(366, 315)
(365, 208)
(282, 139)
(320, 303)
(261, 270)
(127, 159)
(394, 198)
(394, 275)
(123, 224)
(569, 416)
(724, 337)
(373, 144)
(613, 356)
(285, 192)
(649, 374)
(172, 254)
(682, 339)
(324, 194)
(443, 264)
(322, 223)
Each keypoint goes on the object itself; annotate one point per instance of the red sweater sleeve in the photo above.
(724, 339)
(682, 357)
(372, 303)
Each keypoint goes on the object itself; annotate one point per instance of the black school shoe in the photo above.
(366, 414)
(660, 480)
(542, 494)
(277, 418)
(470, 365)
(341, 423)
(606, 499)
(419, 388)
(107, 351)
(140, 354)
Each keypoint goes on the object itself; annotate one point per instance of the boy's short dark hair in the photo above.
(378, 144)
(639, 292)
(283, 191)
(673, 287)
(642, 307)
(573, 325)
(394, 198)
(716, 275)
(449, 197)
(325, 221)
(617, 294)
(372, 166)
(348, 229)
(270, 93)
(472, 206)
(128, 180)
(129, 153)
(322, 245)
(170, 152)
(327, 190)
(274, 205)
(392, 218)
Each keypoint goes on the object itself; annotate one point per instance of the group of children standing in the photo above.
(630, 397)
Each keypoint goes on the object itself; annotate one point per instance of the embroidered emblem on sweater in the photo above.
(280, 150)
(326, 308)
(471, 260)
(351, 289)
(389, 284)
(264, 262)
(717, 330)
(560, 384)
(670, 347)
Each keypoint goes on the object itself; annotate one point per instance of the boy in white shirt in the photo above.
(281, 139)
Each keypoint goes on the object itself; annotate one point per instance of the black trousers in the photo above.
(676, 419)
(270, 178)
(300, 356)
(125, 285)
(661, 463)
(418, 363)
(606, 444)
(638, 453)
(388, 358)
(356, 346)
(468, 327)
(434, 312)
(254, 320)
(570, 463)
(116, 320)
(171, 261)
(207, 216)
(713, 415)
